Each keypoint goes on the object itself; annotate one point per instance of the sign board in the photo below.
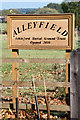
(54, 31)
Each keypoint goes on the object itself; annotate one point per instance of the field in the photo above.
(40, 71)
(51, 72)
(3, 29)
(28, 69)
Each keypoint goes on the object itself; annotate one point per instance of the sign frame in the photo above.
(70, 18)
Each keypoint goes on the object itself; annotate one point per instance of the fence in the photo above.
(75, 84)
(14, 83)
(72, 75)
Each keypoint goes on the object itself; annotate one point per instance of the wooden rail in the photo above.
(41, 106)
(37, 83)
(27, 83)
(34, 60)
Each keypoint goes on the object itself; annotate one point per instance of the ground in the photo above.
(51, 72)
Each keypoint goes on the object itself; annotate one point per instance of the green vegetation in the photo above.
(26, 70)
(72, 7)
(51, 8)
(64, 7)
(51, 72)
(3, 29)
(77, 42)
(23, 10)
(68, 7)
(44, 10)
(9, 11)
(30, 53)
(55, 6)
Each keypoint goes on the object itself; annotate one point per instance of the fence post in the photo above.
(68, 77)
(75, 84)
(15, 67)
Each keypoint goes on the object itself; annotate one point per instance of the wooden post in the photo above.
(17, 108)
(75, 84)
(67, 77)
(15, 54)
(46, 101)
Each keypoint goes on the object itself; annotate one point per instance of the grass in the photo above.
(30, 53)
(4, 26)
(77, 43)
(26, 70)
(42, 54)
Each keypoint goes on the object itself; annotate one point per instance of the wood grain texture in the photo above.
(69, 17)
(15, 54)
(75, 84)
(49, 84)
(35, 60)
(67, 69)
(41, 106)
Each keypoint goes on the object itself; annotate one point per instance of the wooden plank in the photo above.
(56, 107)
(67, 69)
(53, 84)
(34, 60)
(37, 83)
(4, 105)
(15, 54)
(0, 105)
(75, 84)
(41, 107)
(73, 35)
(68, 79)
(19, 83)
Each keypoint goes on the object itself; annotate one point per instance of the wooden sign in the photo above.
(54, 31)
